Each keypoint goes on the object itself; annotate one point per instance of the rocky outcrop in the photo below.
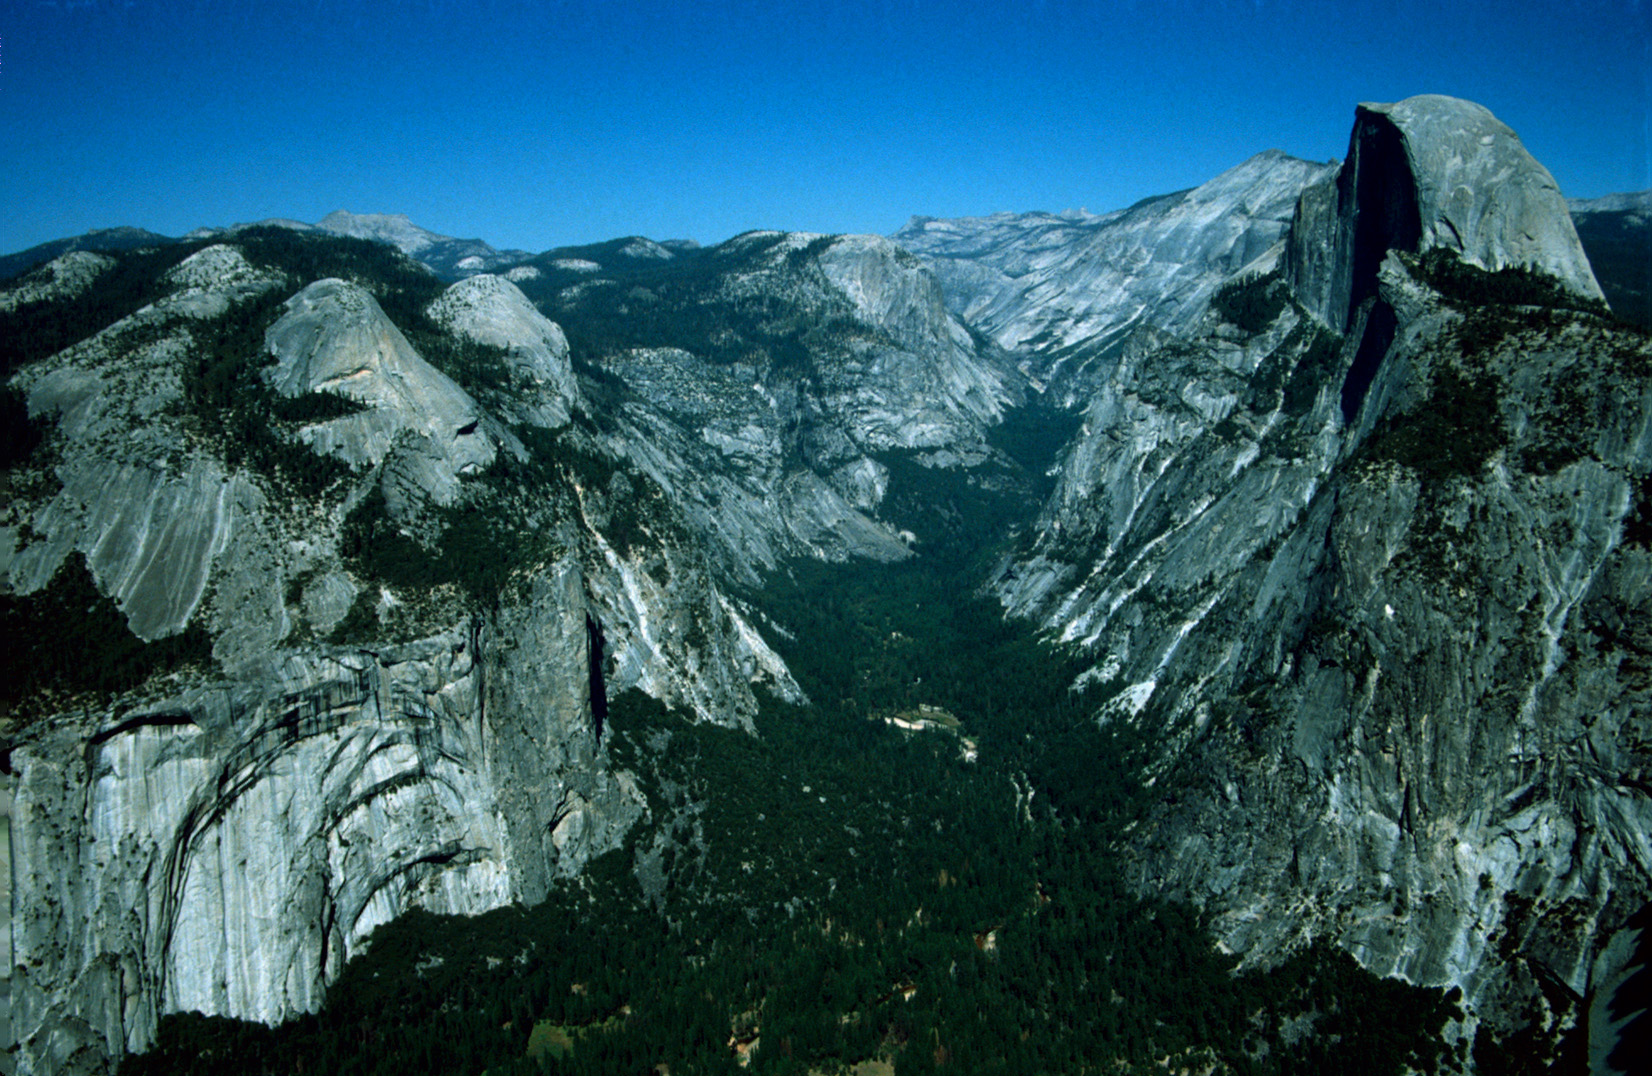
(444, 255)
(222, 841)
(65, 275)
(493, 312)
(151, 536)
(1411, 723)
(335, 339)
(225, 850)
(1192, 457)
(725, 448)
(1429, 172)
(777, 444)
(931, 389)
(152, 520)
(102, 239)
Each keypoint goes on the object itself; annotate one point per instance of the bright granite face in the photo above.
(1065, 289)
(1480, 194)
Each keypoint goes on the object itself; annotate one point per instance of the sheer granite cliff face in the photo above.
(1374, 571)
(1402, 694)
(222, 842)
(226, 849)
(808, 364)
(1383, 593)
(1428, 173)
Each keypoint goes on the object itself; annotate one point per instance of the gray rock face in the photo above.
(1431, 669)
(1061, 290)
(1430, 172)
(1381, 633)
(445, 255)
(1393, 646)
(931, 389)
(1378, 653)
(1179, 474)
(223, 842)
(334, 338)
(392, 228)
(715, 438)
(151, 520)
(226, 850)
(768, 457)
(492, 311)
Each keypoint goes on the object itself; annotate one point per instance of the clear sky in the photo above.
(535, 125)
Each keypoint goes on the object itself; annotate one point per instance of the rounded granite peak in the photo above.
(1479, 192)
(68, 274)
(493, 311)
(392, 228)
(334, 338)
(1429, 172)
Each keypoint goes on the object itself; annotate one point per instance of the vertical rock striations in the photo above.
(1062, 291)
(770, 383)
(421, 580)
(1360, 536)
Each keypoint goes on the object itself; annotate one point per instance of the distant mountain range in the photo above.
(447, 257)
(101, 239)
(1616, 232)
(1058, 278)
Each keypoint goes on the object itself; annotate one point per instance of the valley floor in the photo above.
(838, 892)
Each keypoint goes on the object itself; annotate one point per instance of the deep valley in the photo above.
(1210, 636)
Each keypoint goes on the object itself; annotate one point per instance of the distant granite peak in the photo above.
(1430, 172)
(1063, 290)
(447, 256)
(393, 228)
(1625, 202)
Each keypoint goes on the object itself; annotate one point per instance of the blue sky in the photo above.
(536, 125)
